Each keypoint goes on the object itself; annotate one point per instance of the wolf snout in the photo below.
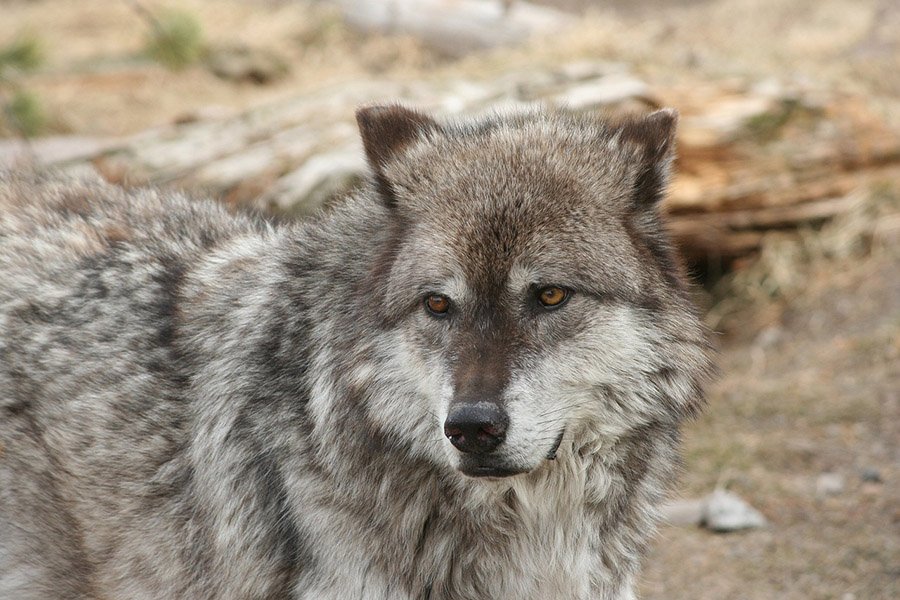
(476, 428)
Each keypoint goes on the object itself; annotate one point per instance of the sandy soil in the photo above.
(810, 379)
(816, 392)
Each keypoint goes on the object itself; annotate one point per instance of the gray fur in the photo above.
(200, 404)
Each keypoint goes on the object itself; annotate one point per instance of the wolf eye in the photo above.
(437, 304)
(552, 296)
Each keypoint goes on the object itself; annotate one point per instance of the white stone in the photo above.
(684, 512)
(829, 484)
(728, 512)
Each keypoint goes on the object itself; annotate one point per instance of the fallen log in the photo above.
(767, 162)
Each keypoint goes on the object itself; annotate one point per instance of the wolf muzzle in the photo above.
(477, 428)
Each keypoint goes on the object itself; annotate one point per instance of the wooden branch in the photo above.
(731, 187)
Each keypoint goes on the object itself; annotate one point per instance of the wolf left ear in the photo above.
(654, 138)
(386, 130)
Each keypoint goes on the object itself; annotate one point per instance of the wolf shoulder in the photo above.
(54, 219)
(90, 275)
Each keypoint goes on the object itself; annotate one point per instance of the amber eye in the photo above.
(437, 304)
(553, 296)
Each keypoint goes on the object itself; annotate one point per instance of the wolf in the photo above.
(465, 381)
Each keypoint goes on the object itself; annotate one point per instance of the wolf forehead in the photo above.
(525, 186)
(537, 159)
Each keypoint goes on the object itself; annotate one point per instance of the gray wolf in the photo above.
(463, 382)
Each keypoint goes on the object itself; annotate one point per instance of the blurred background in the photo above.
(786, 205)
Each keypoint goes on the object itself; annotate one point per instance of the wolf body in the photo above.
(199, 404)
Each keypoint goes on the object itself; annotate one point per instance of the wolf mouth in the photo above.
(490, 471)
(499, 471)
(552, 454)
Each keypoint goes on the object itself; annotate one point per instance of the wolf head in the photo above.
(532, 282)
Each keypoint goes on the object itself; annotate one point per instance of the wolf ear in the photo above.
(654, 137)
(386, 130)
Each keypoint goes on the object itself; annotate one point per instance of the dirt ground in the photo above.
(809, 379)
(96, 46)
(813, 390)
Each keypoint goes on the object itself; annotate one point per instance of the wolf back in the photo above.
(465, 381)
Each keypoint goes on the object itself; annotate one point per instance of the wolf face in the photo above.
(532, 283)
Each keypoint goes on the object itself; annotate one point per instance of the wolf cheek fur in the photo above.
(464, 382)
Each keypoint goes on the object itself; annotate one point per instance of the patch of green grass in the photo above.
(22, 111)
(768, 126)
(26, 114)
(175, 39)
(25, 53)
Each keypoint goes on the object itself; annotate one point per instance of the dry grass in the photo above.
(841, 44)
(99, 46)
(788, 261)
(810, 385)
(816, 393)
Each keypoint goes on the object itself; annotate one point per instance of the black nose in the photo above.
(477, 428)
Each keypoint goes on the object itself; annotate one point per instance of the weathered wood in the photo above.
(747, 165)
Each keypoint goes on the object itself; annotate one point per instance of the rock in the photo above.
(726, 512)
(829, 484)
(684, 512)
(871, 475)
(456, 27)
(720, 511)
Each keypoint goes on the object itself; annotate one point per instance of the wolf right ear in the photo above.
(386, 130)
(654, 137)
